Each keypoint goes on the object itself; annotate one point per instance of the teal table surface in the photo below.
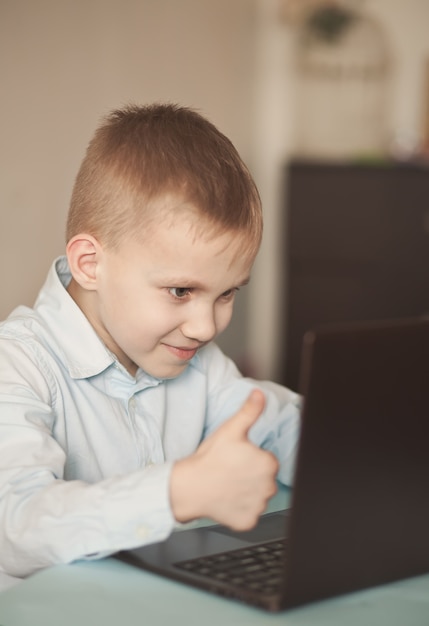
(111, 593)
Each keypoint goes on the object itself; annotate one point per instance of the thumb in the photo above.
(239, 424)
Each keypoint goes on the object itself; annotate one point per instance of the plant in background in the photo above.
(329, 22)
(325, 20)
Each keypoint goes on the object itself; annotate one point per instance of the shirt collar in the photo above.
(83, 352)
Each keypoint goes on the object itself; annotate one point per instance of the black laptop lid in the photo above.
(361, 497)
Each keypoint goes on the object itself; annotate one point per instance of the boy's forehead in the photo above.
(188, 244)
(174, 210)
(175, 213)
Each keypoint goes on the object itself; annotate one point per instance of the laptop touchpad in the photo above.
(270, 526)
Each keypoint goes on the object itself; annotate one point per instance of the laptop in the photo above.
(359, 513)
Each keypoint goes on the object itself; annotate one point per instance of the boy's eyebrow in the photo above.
(244, 282)
(188, 282)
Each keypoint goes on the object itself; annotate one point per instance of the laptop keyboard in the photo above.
(258, 568)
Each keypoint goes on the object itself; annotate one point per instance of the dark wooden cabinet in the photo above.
(357, 247)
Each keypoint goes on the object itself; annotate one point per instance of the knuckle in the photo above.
(248, 523)
(275, 463)
(271, 463)
(273, 490)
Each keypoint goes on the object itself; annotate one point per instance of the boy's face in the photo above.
(160, 300)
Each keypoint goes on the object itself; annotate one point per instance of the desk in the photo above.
(111, 593)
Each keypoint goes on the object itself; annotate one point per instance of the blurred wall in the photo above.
(64, 63)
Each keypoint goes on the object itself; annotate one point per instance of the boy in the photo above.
(118, 414)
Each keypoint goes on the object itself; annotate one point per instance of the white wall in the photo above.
(64, 63)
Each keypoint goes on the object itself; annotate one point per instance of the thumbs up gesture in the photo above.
(228, 479)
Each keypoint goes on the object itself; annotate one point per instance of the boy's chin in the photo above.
(167, 373)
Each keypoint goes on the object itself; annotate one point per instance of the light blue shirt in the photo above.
(86, 449)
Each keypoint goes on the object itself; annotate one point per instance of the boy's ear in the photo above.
(83, 253)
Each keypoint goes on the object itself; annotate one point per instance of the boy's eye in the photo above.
(179, 292)
(228, 295)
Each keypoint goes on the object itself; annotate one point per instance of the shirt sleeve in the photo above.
(278, 427)
(45, 519)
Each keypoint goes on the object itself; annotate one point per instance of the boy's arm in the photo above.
(44, 519)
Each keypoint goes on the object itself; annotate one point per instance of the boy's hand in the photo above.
(228, 479)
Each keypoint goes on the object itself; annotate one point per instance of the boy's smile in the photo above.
(185, 354)
(155, 302)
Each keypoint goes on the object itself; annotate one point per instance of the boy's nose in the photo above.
(201, 325)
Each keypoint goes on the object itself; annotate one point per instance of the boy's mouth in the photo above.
(184, 354)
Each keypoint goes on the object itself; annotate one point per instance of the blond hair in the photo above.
(140, 153)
